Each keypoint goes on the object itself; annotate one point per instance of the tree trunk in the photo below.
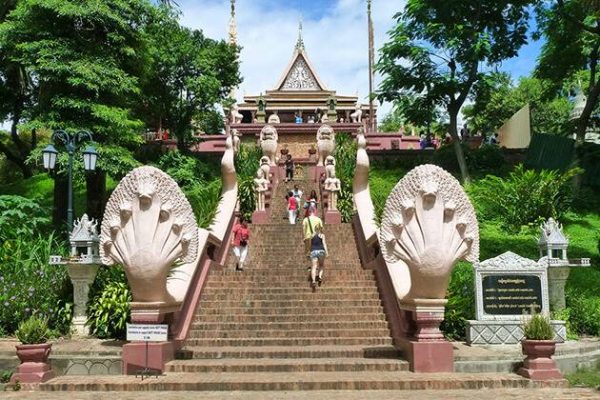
(460, 156)
(582, 124)
(59, 210)
(95, 193)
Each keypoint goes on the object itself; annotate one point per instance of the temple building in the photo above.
(301, 96)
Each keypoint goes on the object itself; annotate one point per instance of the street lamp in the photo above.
(71, 142)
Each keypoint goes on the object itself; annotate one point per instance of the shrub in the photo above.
(33, 331)
(345, 159)
(204, 198)
(381, 183)
(524, 197)
(537, 327)
(247, 162)
(187, 170)
(108, 308)
(21, 217)
(29, 286)
(461, 306)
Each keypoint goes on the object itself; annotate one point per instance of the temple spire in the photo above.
(300, 42)
(232, 25)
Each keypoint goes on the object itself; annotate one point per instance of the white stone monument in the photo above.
(507, 288)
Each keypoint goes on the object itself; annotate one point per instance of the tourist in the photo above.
(298, 119)
(316, 246)
(289, 168)
(311, 201)
(241, 235)
(297, 193)
(292, 207)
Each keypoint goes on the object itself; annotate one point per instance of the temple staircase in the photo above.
(264, 329)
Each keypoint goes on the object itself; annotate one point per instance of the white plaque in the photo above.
(147, 333)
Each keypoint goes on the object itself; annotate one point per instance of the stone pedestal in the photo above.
(506, 331)
(261, 117)
(260, 217)
(538, 364)
(332, 217)
(34, 367)
(557, 278)
(82, 276)
(159, 353)
(151, 312)
(425, 347)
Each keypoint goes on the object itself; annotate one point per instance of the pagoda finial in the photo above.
(300, 42)
(232, 25)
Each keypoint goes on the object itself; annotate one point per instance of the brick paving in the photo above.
(496, 394)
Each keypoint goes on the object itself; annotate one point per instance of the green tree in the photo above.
(437, 51)
(15, 94)
(189, 75)
(571, 29)
(501, 99)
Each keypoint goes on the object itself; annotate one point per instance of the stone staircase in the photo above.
(267, 328)
(264, 329)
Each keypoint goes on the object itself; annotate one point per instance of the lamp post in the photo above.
(71, 142)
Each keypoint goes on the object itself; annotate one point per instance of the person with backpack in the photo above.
(314, 245)
(292, 207)
(239, 241)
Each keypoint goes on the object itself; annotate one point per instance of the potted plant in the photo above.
(284, 149)
(33, 352)
(538, 346)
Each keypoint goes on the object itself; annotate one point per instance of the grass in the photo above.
(585, 377)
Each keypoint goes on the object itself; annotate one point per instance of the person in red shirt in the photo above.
(239, 241)
(292, 207)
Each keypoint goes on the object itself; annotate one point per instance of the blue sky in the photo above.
(335, 35)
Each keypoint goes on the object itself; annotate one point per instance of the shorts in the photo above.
(318, 254)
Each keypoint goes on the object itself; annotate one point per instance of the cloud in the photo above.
(335, 38)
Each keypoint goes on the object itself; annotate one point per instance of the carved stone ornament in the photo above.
(268, 143)
(261, 183)
(508, 260)
(356, 116)
(300, 77)
(325, 143)
(148, 225)
(332, 183)
(429, 223)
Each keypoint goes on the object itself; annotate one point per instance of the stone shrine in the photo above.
(553, 246)
(507, 287)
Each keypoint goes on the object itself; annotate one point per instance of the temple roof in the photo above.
(300, 74)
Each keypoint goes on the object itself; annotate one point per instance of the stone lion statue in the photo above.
(268, 143)
(357, 114)
(325, 143)
(274, 118)
(236, 117)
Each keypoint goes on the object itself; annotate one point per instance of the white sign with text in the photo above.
(147, 333)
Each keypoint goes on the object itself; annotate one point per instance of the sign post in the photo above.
(147, 333)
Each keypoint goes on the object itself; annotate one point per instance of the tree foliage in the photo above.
(437, 51)
(500, 99)
(571, 30)
(189, 75)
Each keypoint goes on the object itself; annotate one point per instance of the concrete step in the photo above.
(269, 333)
(329, 282)
(291, 341)
(286, 274)
(290, 326)
(252, 291)
(287, 365)
(286, 318)
(298, 304)
(302, 296)
(290, 352)
(286, 381)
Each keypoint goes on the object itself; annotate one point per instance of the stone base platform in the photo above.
(269, 381)
(506, 332)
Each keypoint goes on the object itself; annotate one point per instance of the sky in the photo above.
(335, 38)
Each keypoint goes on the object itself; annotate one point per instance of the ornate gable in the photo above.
(300, 77)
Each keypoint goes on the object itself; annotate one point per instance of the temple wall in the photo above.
(298, 145)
